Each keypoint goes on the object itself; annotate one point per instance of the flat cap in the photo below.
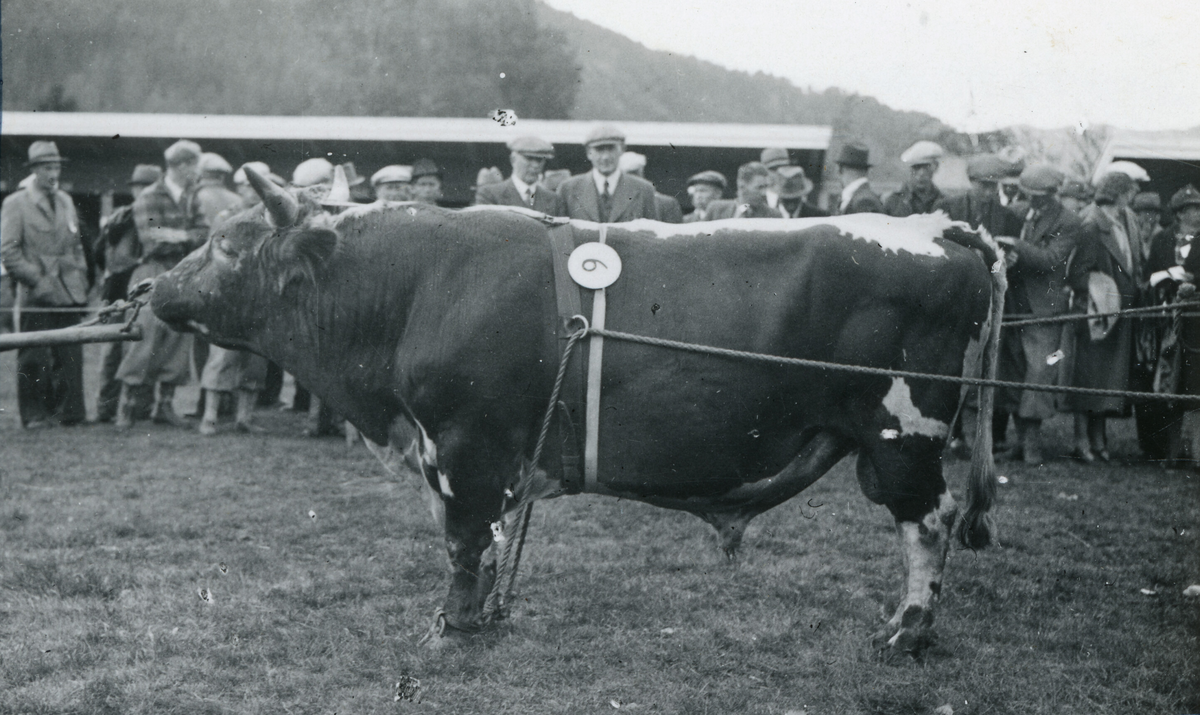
(182, 152)
(1128, 168)
(1076, 189)
(604, 134)
(1187, 196)
(986, 167)
(1147, 201)
(775, 157)
(145, 174)
(710, 177)
(1014, 156)
(923, 152)
(392, 174)
(632, 162)
(312, 172)
(214, 163)
(533, 147)
(425, 167)
(44, 152)
(1113, 185)
(1040, 179)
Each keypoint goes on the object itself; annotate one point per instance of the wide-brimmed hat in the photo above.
(145, 174)
(43, 152)
(855, 156)
(1187, 196)
(795, 184)
(775, 157)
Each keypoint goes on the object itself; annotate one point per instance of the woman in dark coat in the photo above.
(1175, 260)
(1109, 255)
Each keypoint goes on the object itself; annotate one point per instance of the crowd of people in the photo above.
(1071, 247)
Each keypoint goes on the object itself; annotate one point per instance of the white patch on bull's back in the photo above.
(898, 402)
(914, 234)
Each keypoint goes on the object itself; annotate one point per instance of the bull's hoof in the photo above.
(442, 635)
(910, 637)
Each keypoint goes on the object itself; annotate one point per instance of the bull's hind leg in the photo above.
(900, 467)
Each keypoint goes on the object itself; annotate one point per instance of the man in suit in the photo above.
(857, 196)
(793, 191)
(919, 194)
(1037, 281)
(528, 156)
(704, 188)
(606, 194)
(427, 182)
(634, 164)
(168, 232)
(753, 182)
(42, 250)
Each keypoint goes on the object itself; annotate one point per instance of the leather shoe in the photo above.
(1084, 455)
(1103, 455)
(165, 415)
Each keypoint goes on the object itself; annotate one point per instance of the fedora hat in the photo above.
(43, 152)
(855, 156)
(795, 184)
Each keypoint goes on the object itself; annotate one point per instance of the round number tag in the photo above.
(594, 265)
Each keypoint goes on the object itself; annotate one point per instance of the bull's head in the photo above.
(254, 266)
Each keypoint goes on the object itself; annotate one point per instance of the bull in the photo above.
(415, 320)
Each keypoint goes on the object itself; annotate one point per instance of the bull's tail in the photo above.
(975, 530)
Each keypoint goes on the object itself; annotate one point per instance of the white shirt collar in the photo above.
(522, 187)
(612, 179)
(772, 199)
(175, 190)
(848, 192)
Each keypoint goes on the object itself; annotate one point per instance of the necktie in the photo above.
(605, 203)
(529, 195)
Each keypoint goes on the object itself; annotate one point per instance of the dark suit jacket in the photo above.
(986, 212)
(1037, 280)
(505, 194)
(863, 201)
(728, 208)
(632, 199)
(805, 210)
(669, 209)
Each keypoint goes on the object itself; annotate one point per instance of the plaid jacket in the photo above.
(167, 230)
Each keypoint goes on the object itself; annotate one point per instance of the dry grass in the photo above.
(106, 540)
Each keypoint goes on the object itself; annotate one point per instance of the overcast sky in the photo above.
(975, 65)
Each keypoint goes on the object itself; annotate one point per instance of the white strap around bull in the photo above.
(595, 266)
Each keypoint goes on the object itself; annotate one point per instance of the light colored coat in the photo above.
(41, 247)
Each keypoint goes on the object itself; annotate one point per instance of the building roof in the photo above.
(1158, 146)
(407, 129)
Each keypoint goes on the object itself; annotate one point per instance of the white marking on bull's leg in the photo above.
(924, 545)
(898, 402)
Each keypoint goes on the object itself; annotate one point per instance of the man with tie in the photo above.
(42, 251)
(605, 194)
(528, 156)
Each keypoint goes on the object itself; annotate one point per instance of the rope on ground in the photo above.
(881, 371)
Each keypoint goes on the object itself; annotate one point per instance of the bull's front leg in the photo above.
(924, 543)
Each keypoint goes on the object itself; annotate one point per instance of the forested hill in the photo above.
(395, 57)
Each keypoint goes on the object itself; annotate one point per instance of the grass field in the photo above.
(323, 572)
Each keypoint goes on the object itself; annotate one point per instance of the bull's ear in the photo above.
(305, 252)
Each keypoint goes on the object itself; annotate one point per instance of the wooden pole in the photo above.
(70, 336)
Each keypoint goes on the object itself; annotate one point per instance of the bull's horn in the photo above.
(282, 206)
(340, 193)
